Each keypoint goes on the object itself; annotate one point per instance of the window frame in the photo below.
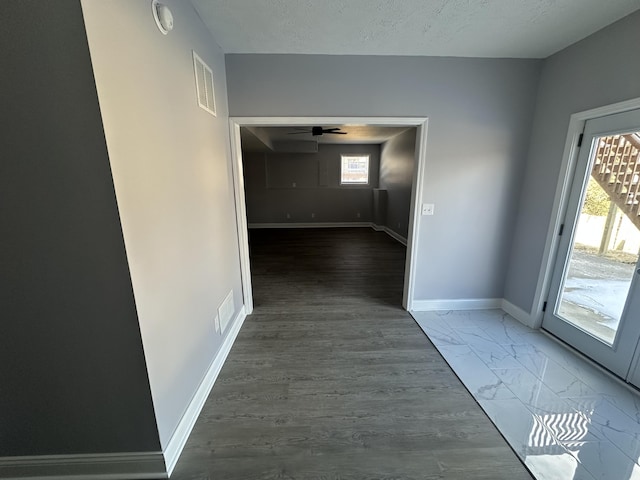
(355, 184)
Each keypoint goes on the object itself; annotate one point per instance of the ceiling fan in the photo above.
(317, 131)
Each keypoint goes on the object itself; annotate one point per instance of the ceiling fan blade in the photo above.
(336, 133)
(298, 133)
(329, 130)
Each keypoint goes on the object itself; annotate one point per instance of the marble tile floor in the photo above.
(564, 418)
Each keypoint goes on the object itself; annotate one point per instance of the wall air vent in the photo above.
(204, 85)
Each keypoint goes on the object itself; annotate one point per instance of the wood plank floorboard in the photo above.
(330, 379)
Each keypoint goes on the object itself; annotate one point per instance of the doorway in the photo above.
(416, 190)
(594, 301)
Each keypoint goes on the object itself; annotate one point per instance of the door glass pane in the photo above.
(606, 242)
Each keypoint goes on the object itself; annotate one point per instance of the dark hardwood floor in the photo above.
(330, 379)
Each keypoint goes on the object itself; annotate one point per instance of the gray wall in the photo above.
(397, 164)
(480, 113)
(172, 174)
(73, 376)
(600, 70)
(270, 195)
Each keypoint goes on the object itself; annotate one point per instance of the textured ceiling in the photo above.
(461, 28)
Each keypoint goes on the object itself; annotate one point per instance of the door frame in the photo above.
(618, 354)
(563, 188)
(421, 123)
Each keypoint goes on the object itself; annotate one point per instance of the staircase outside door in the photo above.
(594, 301)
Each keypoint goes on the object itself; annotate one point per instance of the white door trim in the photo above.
(416, 192)
(241, 215)
(413, 233)
(567, 167)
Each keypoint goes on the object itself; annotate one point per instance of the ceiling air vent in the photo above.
(204, 85)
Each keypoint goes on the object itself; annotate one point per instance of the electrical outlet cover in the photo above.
(225, 311)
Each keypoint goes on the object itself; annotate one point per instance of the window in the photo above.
(355, 170)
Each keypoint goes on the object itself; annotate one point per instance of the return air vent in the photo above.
(204, 85)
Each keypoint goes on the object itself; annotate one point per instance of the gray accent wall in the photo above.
(397, 165)
(72, 377)
(271, 194)
(173, 180)
(600, 70)
(480, 113)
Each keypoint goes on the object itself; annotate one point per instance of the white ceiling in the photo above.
(354, 134)
(462, 28)
(259, 139)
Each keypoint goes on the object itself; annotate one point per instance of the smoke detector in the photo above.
(163, 17)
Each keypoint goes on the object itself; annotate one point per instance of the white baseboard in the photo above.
(377, 228)
(179, 438)
(107, 466)
(310, 225)
(124, 466)
(517, 313)
(393, 235)
(456, 304)
(475, 304)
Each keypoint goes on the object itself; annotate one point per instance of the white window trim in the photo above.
(350, 184)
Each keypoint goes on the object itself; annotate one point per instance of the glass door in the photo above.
(594, 301)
